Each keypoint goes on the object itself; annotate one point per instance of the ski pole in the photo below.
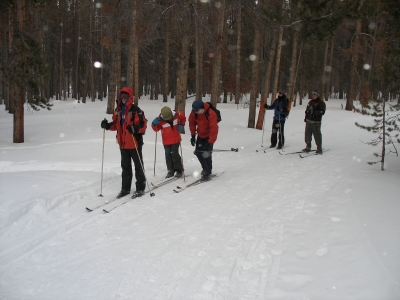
(141, 164)
(102, 163)
(262, 138)
(183, 168)
(220, 150)
(155, 154)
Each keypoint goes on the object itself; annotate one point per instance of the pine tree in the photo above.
(386, 125)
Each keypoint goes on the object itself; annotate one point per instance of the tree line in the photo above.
(88, 50)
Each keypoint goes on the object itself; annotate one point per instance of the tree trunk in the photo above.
(131, 50)
(216, 71)
(264, 97)
(277, 64)
(255, 78)
(293, 66)
(199, 62)
(324, 78)
(351, 95)
(182, 74)
(238, 47)
(136, 55)
(11, 86)
(18, 118)
(166, 61)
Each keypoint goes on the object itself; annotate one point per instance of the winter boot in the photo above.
(206, 177)
(319, 152)
(279, 147)
(272, 146)
(178, 174)
(137, 194)
(123, 193)
(307, 149)
(169, 175)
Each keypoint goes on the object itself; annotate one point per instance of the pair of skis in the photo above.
(180, 189)
(302, 154)
(155, 185)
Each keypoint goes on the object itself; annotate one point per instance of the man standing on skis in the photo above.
(203, 121)
(314, 111)
(280, 113)
(171, 124)
(130, 123)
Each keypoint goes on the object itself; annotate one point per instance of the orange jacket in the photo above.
(132, 118)
(204, 126)
(170, 134)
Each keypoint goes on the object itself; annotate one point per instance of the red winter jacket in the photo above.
(204, 126)
(132, 118)
(170, 134)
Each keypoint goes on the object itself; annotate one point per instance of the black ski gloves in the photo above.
(266, 106)
(131, 129)
(105, 125)
(193, 140)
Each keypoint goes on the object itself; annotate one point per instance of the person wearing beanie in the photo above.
(130, 123)
(278, 124)
(203, 121)
(314, 111)
(171, 125)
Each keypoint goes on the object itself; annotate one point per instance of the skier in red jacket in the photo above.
(130, 123)
(204, 122)
(171, 124)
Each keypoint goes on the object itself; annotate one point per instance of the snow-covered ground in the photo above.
(271, 227)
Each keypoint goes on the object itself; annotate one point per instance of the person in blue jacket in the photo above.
(280, 106)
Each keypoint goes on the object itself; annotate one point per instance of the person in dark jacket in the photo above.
(204, 122)
(129, 122)
(278, 124)
(314, 111)
(171, 124)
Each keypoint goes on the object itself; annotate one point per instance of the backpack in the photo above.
(216, 111)
(138, 118)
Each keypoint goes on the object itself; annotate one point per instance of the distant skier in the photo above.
(130, 123)
(280, 113)
(314, 111)
(171, 124)
(204, 122)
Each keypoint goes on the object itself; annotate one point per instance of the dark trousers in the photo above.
(172, 158)
(204, 156)
(127, 155)
(313, 129)
(278, 126)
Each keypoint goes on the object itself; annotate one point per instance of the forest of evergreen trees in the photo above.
(88, 49)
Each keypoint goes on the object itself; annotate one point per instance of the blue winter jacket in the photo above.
(280, 106)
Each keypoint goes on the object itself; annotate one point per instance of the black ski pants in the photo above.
(278, 126)
(172, 158)
(204, 155)
(313, 129)
(127, 155)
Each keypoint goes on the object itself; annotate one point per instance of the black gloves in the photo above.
(131, 129)
(135, 108)
(193, 140)
(105, 125)
(266, 106)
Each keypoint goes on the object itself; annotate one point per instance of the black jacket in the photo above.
(315, 110)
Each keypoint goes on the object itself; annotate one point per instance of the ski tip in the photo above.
(88, 209)
(152, 194)
(105, 211)
(176, 191)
